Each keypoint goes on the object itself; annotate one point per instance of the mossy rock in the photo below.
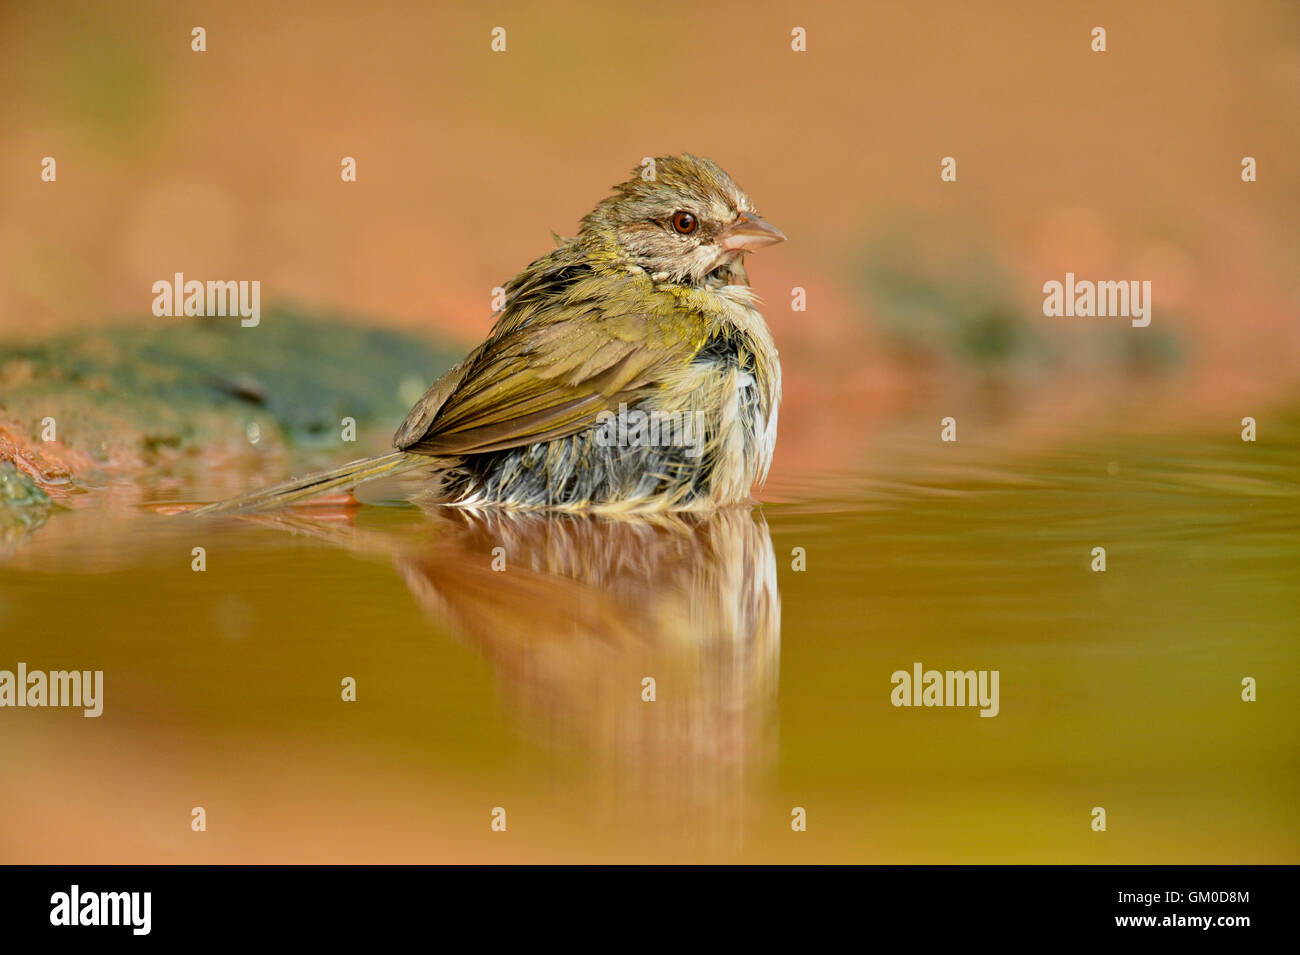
(184, 384)
(23, 505)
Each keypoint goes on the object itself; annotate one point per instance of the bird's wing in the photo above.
(551, 373)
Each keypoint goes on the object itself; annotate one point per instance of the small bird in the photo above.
(629, 369)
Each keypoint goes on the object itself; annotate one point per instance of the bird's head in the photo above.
(683, 220)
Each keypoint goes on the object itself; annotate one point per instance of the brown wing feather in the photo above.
(553, 375)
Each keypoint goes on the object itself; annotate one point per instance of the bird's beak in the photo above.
(749, 232)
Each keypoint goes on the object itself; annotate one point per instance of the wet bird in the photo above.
(629, 369)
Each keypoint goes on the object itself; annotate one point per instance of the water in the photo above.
(522, 688)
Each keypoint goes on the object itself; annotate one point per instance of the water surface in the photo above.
(523, 688)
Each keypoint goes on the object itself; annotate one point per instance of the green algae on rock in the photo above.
(127, 397)
(23, 505)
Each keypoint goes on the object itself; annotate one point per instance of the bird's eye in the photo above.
(685, 223)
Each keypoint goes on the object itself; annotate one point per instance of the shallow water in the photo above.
(522, 688)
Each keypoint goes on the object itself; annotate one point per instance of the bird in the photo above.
(629, 370)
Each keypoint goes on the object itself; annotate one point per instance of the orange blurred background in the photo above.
(1115, 165)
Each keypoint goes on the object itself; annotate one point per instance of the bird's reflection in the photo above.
(647, 649)
(651, 647)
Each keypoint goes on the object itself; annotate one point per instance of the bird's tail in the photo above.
(348, 475)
